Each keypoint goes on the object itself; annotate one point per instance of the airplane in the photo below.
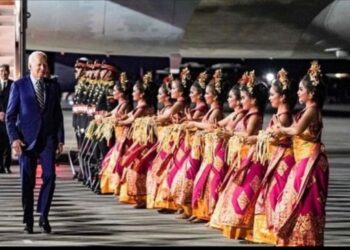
(144, 34)
(291, 29)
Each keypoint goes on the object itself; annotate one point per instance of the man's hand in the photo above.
(17, 147)
(2, 116)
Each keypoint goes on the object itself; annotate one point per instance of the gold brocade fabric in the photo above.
(165, 138)
(303, 144)
(119, 131)
(262, 152)
(301, 210)
(308, 231)
(234, 146)
(302, 148)
(143, 130)
(90, 130)
(196, 145)
(105, 129)
(261, 233)
(211, 140)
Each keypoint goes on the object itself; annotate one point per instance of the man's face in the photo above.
(38, 67)
(4, 74)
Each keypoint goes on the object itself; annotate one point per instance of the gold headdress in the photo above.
(202, 78)
(314, 73)
(167, 82)
(218, 87)
(147, 79)
(168, 79)
(184, 76)
(217, 74)
(244, 78)
(248, 79)
(185, 72)
(217, 80)
(123, 80)
(251, 78)
(283, 79)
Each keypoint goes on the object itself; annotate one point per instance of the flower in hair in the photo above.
(123, 79)
(167, 81)
(147, 79)
(202, 78)
(282, 78)
(217, 73)
(185, 75)
(217, 86)
(248, 79)
(314, 73)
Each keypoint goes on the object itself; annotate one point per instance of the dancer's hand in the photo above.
(190, 125)
(188, 114)
(276, 131)
(175, 119)
(224, 134)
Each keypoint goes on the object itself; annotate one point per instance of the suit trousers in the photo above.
(5, 148)
(45, 152)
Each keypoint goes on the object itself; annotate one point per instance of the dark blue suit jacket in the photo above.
(25, 120)
(4, 97)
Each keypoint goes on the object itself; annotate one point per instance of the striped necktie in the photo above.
(39, 92)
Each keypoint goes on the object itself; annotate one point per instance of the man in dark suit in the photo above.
(5, 147)
(34, 122)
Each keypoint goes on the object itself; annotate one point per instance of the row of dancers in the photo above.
(262, 185)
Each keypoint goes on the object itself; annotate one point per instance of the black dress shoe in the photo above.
(45, 226)
(9, 171)
(28, 229)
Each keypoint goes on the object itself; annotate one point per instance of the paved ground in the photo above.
(80, 217)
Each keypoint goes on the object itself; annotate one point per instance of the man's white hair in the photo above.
(34, 55)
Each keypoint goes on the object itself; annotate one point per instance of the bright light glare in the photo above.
(270, 77)
(341, 75)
